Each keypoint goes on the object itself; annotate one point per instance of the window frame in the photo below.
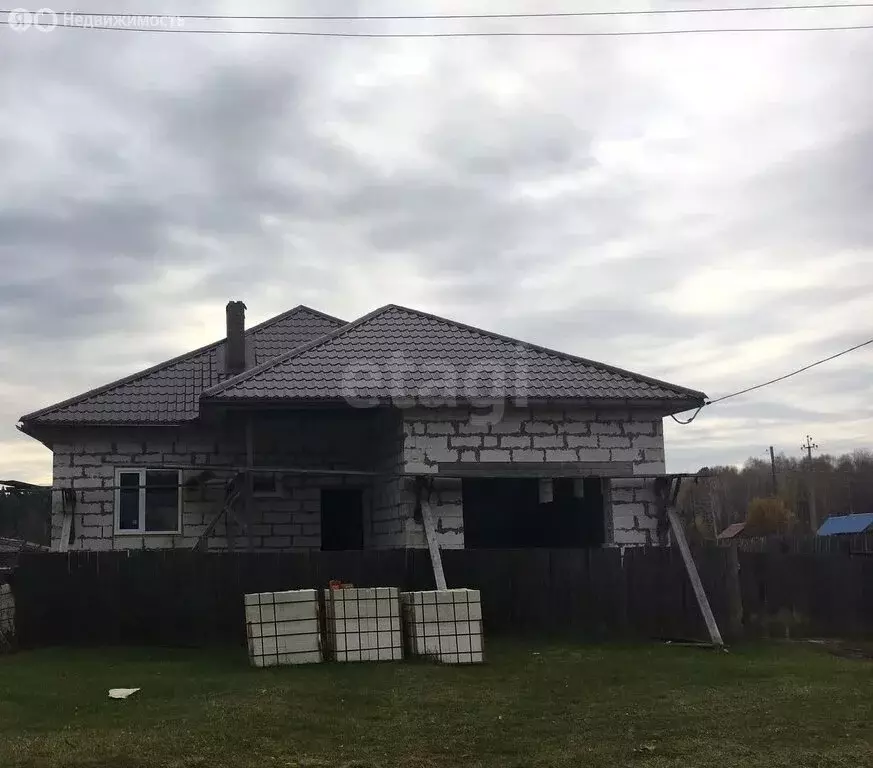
(140, 530)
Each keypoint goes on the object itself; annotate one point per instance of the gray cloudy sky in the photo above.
(696, 208)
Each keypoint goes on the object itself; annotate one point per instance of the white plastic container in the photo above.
(283, 628)
(444, 625)
(7, 615)
(363, 624)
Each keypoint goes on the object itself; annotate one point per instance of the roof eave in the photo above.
(43, 430)
(664, 406)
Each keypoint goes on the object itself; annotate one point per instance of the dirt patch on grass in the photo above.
(861, 650)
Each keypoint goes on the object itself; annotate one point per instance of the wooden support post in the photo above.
(231, 498)
(432, 544)
(228, 530)
(694, 576)
(200, 544)
(249, 479)
(66, 527)
(68, 509)
(662, 493)
(676, 487)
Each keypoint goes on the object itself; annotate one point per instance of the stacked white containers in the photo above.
(7, 616)
(363, 624)
(282, 627)
(444, 625)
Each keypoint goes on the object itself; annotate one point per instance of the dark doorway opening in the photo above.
(342, 519)
(507, 513)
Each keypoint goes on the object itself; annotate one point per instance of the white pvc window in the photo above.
(148, 501)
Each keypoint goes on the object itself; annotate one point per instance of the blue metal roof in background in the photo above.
(846, 524)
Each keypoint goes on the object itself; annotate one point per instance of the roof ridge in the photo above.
(550, 351)
(299, 350)
(172, 361)
(304, 307)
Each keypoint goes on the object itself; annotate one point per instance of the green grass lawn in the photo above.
(544, 705)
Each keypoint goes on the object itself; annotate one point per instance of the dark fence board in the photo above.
(531, 584)
(195, 599)
(568, 596)
(716, 573)
(806, 544)
(608, 592)
(806, 594)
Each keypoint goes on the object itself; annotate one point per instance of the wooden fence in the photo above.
(860, 543)
(195, 599)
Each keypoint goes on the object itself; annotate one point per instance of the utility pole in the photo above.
(773, 472)
(849, 487)
(810, 489)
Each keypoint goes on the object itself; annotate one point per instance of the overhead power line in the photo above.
(540, 15)
(793, 373)
(773, 381)
(412, 35)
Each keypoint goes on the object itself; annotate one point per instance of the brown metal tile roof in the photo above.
(169, 393)
(397, 352)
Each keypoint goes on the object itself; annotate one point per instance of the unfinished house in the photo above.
(308, 432)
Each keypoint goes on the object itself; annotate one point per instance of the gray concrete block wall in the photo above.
(291, 521)
(446, 503)
(394, 520)
(391, 522)
(411, 441)
(633, 516)
(544, 434)
(532, 435)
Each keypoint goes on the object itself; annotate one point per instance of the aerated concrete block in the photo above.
(7, 613)
(444, 625)
(283, 628)
(363, 624)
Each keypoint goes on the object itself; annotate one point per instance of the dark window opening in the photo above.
(266, 484)
(342, 519)
(128, 501)
(162, 500)
(507, 513)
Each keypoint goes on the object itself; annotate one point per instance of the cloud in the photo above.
(694, 208)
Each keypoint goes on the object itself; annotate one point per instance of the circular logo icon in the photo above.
(19, 19)
(45, 20)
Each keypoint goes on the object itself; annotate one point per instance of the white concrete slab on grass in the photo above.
(122, 693)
